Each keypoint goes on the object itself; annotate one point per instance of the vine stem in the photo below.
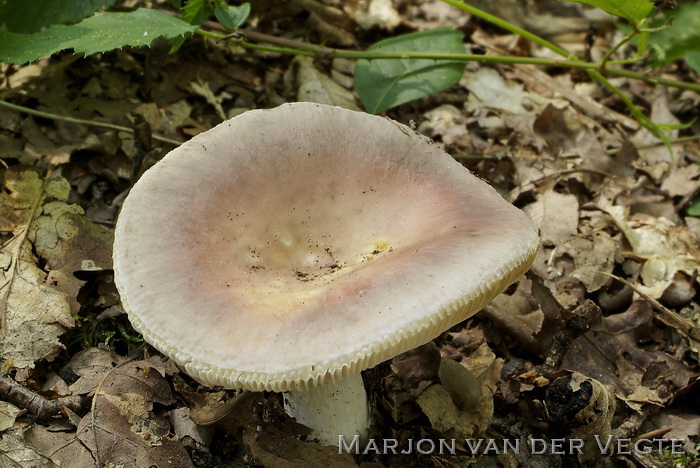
(596, 73)
(292, 47)
(501, 23)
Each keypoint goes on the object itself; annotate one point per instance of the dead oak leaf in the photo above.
(46, 240)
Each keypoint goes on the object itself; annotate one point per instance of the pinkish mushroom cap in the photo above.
(292, 246)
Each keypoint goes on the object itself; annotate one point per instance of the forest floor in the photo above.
(598, 342)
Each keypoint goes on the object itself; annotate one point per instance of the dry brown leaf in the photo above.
(664, 248)
(517, 316)
(379, 13)
(15, 453)
(273, 448)
(547, 17)
(203, 89)
(592, 254)
(682, 181)
(656, 161)
(62, 448)
(556, 215)
(489, 89)
(38, 304)
(683, 426)
(91, 365)
(552, 124)
(314, 86)
(438, 405)
(122, 429)
(8, 414)
(184, 426)
(448, 123)
(611, 353)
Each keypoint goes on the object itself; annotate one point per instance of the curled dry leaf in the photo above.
(596, 417)
(38, 226)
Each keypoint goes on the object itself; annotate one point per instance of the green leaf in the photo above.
(693, 60)
(385, 83)
(197, 11)
(632, 10)
(232, 17)
(194, 12)
(99, 33)
(28, 16)
(679, 39)
(694, 208)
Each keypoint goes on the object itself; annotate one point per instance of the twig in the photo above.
(36, 404)
(676, 141)
(669, 317)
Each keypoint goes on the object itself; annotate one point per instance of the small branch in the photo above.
(36, 404)
(669, 317)
(91, 123)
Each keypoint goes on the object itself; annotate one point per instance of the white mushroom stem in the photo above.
(332, 409)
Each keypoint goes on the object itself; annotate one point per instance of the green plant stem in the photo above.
(495, 20)
(292, 47)
(606, 58)
(643, 120)
(92, 123)
(594, 73)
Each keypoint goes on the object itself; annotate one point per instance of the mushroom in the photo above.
(289, 249)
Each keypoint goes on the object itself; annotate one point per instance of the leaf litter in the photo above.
(570, 351)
